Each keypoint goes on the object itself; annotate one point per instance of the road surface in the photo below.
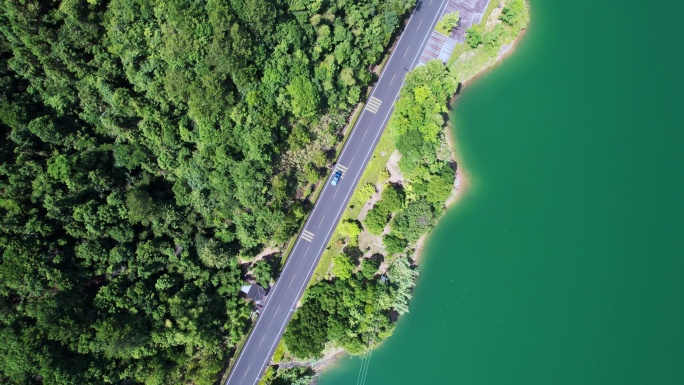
(270, 325)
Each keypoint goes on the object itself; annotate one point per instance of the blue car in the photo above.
(336, 178)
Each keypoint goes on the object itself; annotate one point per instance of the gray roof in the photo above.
(254, 292)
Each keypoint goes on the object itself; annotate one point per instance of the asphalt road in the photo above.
(318, 229)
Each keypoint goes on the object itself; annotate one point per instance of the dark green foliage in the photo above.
(440, 185)
(473, 37)
(414, 221)
(351, 313)
(263, 272)
(394, 244)
(307, 332)
(143, 147)
(391, 201)
(298, 375)
(369, 267)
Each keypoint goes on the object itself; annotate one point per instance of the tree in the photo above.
(263, 272)
(307, 332)
(513, 13)
(376, 220)
(392, 199)
(414, 221)
(305, 96)
(402, 278)
(342, 266)
(394, 244)
(369, 267)
(351, 229)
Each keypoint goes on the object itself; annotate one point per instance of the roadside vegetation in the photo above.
(448, 22)
(365, 279)
(499, 27)
(149, 148)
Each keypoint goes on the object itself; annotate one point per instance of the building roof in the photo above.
(254, 292)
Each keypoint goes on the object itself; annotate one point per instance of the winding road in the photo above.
(296, 274)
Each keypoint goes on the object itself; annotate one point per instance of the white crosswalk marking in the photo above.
(373, 104)
(308, 235)
(341, 168)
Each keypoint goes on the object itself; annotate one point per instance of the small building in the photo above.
(254, 292)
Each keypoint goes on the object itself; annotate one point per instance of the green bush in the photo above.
(342, 266)
(350, 228)
(513, 13)
(263, 272)
(414, 221)
(392, 199)
(394, 244)
(473, 37)
(369, 267)
(376, 220)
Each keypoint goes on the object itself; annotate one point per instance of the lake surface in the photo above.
(563, 262)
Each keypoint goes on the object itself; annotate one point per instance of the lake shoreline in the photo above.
(460, 187)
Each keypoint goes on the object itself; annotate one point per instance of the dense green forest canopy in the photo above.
(144, 147)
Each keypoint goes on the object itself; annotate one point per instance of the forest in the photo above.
(146, 149)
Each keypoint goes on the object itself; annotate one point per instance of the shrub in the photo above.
(394, 244)
(376, 220)
(263, 272)
(414, 221)
(369, 267)
(392, 199)
(350, 228)
(342, 266)
(473, 37)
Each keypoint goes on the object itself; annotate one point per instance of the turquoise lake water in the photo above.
(563, 262)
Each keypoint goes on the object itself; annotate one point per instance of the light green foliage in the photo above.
(514, 13)
(402, 278)
(279, 352)
(448, 22)
(305, 96)
(473, 37)
(422, 103)
(263, 272)
(144, 147)
(494, 37)
(350, 229)
(366, 191)
(376, 219)
(342, 266)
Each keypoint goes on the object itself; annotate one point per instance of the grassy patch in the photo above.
(373, 173)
